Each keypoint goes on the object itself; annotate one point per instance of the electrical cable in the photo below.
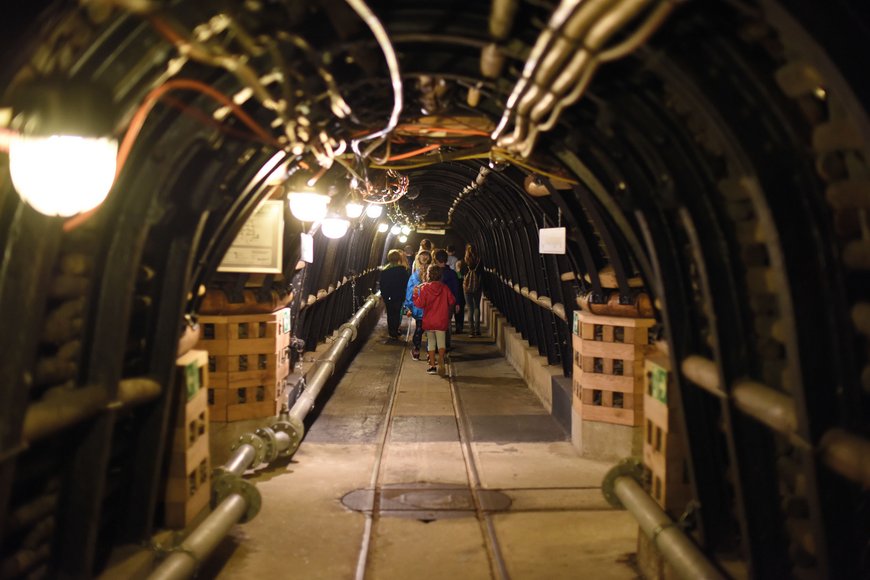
(138, 121)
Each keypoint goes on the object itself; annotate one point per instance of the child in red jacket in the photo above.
(437, 302)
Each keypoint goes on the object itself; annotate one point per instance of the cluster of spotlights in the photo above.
(313, 207)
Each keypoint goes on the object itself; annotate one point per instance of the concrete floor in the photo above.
(545, 508)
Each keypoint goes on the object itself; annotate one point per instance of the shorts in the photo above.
(436, 339)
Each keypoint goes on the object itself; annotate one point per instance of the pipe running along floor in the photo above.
(410, 475)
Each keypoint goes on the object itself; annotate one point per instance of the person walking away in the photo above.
(418, 276)
(459, 317)
(472, 288)
(394, 283)
(448, 277)
(451, 257)
(437, 302)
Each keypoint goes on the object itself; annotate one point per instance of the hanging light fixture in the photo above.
(396, 230)
(406, 230)
(308, 206)
(62, 157)
(334, 228)
(374, 211)
(353, 209)
(403, 239)
(383, 227)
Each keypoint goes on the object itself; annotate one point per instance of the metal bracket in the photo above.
(352, 329)
(294, 429)
(629, 467)
(225, 484)
(254, 441)
(271, 441)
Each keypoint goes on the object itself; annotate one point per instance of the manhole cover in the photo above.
(425, 501)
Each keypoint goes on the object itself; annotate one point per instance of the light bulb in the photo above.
(353, 209)
(62, 175)
(374, 211)
(395, 230)
(308, 207)
(334, 228)
(383, 227)
(403, 239)
(406, 230)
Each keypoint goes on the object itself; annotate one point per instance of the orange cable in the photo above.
(414, 153)
(138, 121)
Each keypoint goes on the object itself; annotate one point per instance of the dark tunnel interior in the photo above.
(710, 158)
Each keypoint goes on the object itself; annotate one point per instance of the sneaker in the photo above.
(431, 370)
(415, 354)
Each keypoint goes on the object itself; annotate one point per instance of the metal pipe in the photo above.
(677, 548)
(68, 408)
(184, 561)
(847, 454)
(774, 409)
(241, 459)
(326, 363)
(203, 540)
(703, 372)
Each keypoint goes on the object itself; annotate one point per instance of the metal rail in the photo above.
(622, 490)
(239, 499)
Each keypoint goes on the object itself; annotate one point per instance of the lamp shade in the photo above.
(374, 211)
(63, 159)
(308, 207)
(353, 209)
(62, 175)
(334, 228)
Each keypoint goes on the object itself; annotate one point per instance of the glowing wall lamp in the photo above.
(403, 238)
(307, 206)
(396, 230)
(62, 157)
(374, 211)
(406, 230)
(334, 228)
(383, 228)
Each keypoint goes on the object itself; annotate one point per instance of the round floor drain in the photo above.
(425, 501)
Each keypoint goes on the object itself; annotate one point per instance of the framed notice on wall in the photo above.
(258, 248)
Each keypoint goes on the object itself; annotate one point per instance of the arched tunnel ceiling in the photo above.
(719, 170)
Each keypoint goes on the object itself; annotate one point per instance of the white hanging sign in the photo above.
(551, 240)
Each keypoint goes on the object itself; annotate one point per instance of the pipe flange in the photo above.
(629, 467)
(352, 330)
(271, 440)
(224, 484)
(254, 441)
(295, 430)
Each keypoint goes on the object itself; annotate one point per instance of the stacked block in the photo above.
(664, 454)
(249, 361)
(609, 368)
(188, 486)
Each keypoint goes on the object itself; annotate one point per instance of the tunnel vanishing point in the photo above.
(707, 161)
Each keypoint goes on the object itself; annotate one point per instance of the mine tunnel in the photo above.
(655, 357)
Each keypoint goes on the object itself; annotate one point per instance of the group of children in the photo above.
(437, 290)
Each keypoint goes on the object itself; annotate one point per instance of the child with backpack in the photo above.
(437, 302)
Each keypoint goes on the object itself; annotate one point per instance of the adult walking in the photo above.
(394, 283)
(459, 317)
(449, 277)
(472, 287)
(418, 276)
